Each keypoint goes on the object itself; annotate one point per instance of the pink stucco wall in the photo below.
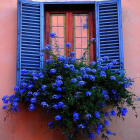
(25, 125)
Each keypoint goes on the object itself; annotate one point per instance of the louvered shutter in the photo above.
(30, 36)
(109, 31)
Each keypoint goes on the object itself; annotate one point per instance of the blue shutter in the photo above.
(30, 36)
(109, 31)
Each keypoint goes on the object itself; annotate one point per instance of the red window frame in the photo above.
(69, 28)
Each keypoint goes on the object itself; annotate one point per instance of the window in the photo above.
(71, 23)
(106, 27)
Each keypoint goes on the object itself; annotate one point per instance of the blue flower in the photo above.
(99, 127)
(107, 114)
(85, 76)
(113, 113)
(33, 100)
(97, 131)
(81, 83)
(31, 107)
(92, 78)
(92, 136)
(55, 106)
(50, 124)
(106, 122)
(93, 63)
(87, 69)
(16, 88)
(47, 47)
(97, 114)
(88, 93)
(79, 78)
(52, 71)
(49, 61)
(105, 94)
(114, 62)
(105, 58)
(124, 111)
(74, 80)
(102, 73)
(58, 118)
(58, 89)
(24, 84)
(15, 105)
(5, 99)
(55, 97)
(61, 58)
(4, 107)
(59, 77)
(108, 132)
(22, 90)
(68, 45)
(75, 116)
(113, 78)
(104, 68)
(43, 87)
(93, 39)
(87, 116)
(66, 66)
(81, 126)
(72, 53)
(58, 82)
(138, 98)
(71, 67)
(23, 71)
(60, 104)
(30, 86)
(109, 65)
(52, 35)
(35, 94)
(93, 70)
(29, 93)
(44, 104)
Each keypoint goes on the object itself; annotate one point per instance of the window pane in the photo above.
(78, 53)
(54, 20)
(57, 26)
(60, 20)
(81, 33)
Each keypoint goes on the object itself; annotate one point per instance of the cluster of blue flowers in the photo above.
(79, 91)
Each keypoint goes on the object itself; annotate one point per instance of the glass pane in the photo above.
(84, 32)
(77, 20)
(60, 31)
(60, 21)
(81, 33)
(84, 42)
(78, 53)
(78, 43)
(84, 20)
(61, 51)
(58, 26)
(54, 20)
(54, 29)
(78, 31)
(61, 43)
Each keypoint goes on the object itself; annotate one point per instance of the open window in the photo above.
(100, 19)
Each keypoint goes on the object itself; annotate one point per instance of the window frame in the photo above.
(69, 28)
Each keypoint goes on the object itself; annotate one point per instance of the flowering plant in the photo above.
(79, 92)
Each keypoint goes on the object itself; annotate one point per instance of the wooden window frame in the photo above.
(69, 28)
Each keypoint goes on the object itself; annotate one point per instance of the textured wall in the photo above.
(27, 125)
